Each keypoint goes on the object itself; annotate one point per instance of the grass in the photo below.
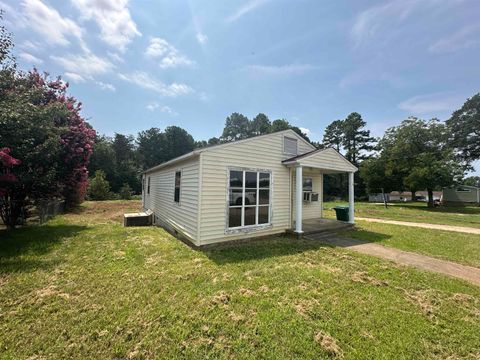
(446, 245)
(82, 286)
(414, 211)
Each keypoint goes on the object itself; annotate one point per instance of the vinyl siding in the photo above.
(263, 153)
(312, 210)
(328, 159)
(460, 196)
(182, 216)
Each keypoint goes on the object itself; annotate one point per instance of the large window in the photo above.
(249, 198)
(178, 180)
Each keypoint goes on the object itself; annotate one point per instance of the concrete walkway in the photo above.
(468, 273)
(461, 229)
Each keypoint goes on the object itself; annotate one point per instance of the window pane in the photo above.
(235, 217)
(264, 180)
(250, 179)
(236, 196)
(177, 194)
(236, 178)
(263, 214)
(250, 197)
(307, 184)
(250, 212)
(264, 197)
(178, 176)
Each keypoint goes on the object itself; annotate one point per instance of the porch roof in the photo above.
(326, 159)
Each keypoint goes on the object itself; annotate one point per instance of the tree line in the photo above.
(117, 162)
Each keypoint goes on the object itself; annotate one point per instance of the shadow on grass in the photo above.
(21, 249)
(366, 236)
(253, 250)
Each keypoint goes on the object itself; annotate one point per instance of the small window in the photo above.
(307, 184)
(463, 190)
(148, 186)
(290, 146)
(178, 179)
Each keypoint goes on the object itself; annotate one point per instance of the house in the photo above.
(461, 195)
(259, 186)
(378, 197)
(403, 196)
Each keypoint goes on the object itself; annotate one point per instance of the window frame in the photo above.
(284, 147)
(179, 187)
(148, 185)
(256, 226)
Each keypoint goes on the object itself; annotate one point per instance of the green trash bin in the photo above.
(342, 212)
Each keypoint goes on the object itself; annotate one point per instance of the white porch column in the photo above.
(351, 201)
(320, 195)
(298, 199)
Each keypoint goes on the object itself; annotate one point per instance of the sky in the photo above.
(143, 63)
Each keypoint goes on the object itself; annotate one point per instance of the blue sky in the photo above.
(137, 64)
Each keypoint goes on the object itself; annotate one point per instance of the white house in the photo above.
(259, 186)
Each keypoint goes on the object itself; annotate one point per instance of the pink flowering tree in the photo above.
(9, 212)
(42, 127)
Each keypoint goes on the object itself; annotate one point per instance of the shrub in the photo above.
(125, 192)
(99, 188)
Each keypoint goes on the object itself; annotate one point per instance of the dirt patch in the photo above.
(303, 307)
(425, 300)
(363, 277)
(221, 298)
(100, 211)
(328, 343)
(246, 292)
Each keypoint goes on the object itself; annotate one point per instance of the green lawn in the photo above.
(82, 286)
(415, 212)
(446, 245)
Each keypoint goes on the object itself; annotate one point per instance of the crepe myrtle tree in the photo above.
(9, 212)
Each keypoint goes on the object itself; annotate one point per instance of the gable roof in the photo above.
(312, 154)
(197, 152)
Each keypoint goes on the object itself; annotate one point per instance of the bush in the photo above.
(125, 192)
(99, 188)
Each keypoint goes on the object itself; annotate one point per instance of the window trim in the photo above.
(289, 138)
(179, 187)
(255, 227)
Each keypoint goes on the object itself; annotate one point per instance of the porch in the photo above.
(307, 173)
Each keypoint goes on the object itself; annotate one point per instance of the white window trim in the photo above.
(249, 228)
(179, 203)
(289, 138)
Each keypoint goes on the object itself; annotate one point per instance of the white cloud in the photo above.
(47, 21)
(86, 65)
(305, 131)
(76, 78)
(115, 57)
(466, 37)
(245, 9)
(106, 86)
(432, 103)
(30, 45)
(32, 59)
(164, 109)
(145, 81)
(117, 28)
(290, 69)
(169, 56)
(201, 38)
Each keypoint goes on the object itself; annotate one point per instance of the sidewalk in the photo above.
(461, 229)
(467, 273)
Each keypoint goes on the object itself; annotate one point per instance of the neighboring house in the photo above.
(378, 197)
(403, 196)
(461, 195)
(253, 187)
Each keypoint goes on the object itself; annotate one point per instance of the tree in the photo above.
(464, 128)
(260, 125)
(127, 166)
(213, 141)
(103, 158)
(356, 140)
(99, 188)
(237, 127)
(151, 147)
(9, 212)
(280, 125)
(472, 181)
(125, 192)
(177, 142)
(333, 136)
(414, 155)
